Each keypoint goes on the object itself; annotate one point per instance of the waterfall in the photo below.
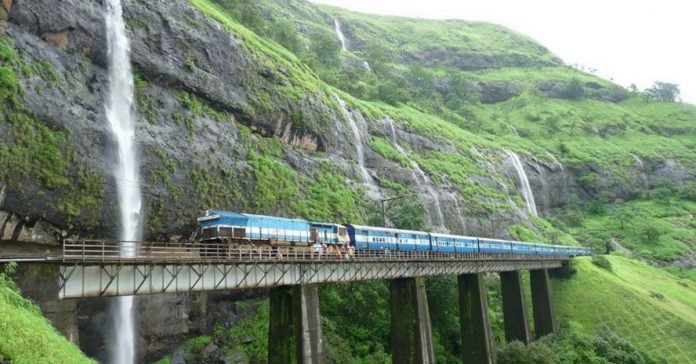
(459, 214)
(495, 175)
(524, 182)
(555, 161)
(643, 176)
(563, 173)
(373, 189)
(119, 113)
(340, 35)
(417, 171)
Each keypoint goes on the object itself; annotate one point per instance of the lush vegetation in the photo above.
(480, 88)
(27, 337)
(653, 309)
(37, 151)
(476, 89)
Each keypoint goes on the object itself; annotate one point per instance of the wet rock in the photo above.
(20, 229)
(56, 39)
(493, 92)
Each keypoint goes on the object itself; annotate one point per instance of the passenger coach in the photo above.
(241, 228)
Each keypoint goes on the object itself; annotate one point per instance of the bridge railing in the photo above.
(101, 251)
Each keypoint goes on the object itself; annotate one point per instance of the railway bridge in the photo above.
(89, 268)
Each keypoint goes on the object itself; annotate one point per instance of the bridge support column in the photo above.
(514, 307)
(411, 333)
(477, 340)
(294, 330)
(542, 303)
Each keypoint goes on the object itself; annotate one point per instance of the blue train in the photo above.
(234, 227)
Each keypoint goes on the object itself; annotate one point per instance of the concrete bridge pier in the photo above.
(477, 340)
(411, 333)
(294, 330)
(515, 317)
(542, 303)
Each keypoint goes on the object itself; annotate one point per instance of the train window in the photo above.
(341, 231)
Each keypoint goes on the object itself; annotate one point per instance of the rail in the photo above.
(101, 251)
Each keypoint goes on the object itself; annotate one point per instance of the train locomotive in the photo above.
(242, 228)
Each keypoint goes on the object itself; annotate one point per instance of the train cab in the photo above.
(328, 233)
(219, 225)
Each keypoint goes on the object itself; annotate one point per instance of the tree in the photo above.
(247, 13)
(286, 34)
(662, 91)
(574, 89)
(326, 47)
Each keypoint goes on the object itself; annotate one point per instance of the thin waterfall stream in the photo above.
(417, 171)
(524, 182)
(120, 116)
(339, 33)
(373, 189)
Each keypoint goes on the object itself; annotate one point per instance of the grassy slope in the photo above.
(27, 337)
(672, 221)
(628, 300)
(594, 132)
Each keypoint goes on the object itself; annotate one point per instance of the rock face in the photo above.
(199, 88)
(163, 321)
(216, 116)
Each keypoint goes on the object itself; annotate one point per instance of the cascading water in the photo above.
(373, 189)
(563, 174)
(119, 113)
(643, 176)
(459, 214)
(417, 171)
(340, 35)
(524, 182)
(556, 161)
(344, 43)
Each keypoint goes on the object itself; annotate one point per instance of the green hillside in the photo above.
(476, 85)
(653, 309)
(239, 104)
(27, 337)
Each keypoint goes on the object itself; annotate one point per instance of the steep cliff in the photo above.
(230, 118)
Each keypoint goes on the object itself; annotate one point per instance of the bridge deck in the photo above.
(96, 268)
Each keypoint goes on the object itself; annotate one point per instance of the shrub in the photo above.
(602, 262)
(596, 208)
(688, 191)
(574, 89)
(517, 353)
(9, 83)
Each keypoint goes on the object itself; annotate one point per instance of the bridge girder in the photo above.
(93, 279)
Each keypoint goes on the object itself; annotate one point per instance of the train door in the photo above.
(313, 236)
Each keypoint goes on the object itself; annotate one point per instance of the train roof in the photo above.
(214, 213)
(324, 223)
(441, 235)
(388, 230)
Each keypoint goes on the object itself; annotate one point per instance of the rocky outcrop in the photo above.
(25, 229)
(216, 116)
(164, 321)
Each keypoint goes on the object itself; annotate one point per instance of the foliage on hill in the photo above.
(539, 107)
(653, 309)
(478, 85)
(27, 337)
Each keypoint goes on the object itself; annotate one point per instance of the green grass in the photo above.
(661, 230)
(27, 337)
(645, 305)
